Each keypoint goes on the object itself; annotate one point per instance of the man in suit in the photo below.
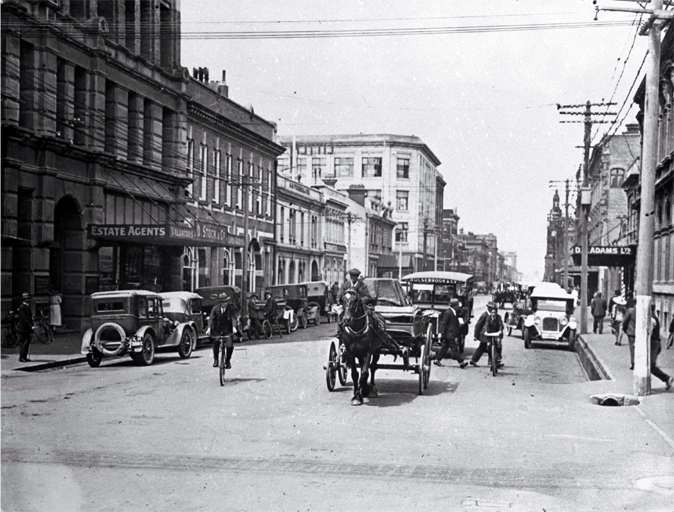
(449, 330)
(222, 322)
(353, 283)
(25, 326)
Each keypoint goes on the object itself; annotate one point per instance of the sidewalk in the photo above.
(65, 349)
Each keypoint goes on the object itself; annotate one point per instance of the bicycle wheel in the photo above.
(266, 329)
(221, 365)
(494, 366)
(10, 338)
(43, 333)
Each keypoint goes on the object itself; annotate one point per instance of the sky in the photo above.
(483, 100)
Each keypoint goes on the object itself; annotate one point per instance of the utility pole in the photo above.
(566, 237)
(245, 184)
(644, 266)
(585, 198)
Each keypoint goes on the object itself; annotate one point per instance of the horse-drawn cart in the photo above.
(393, 328)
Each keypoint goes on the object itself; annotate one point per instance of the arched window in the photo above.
(227, 267)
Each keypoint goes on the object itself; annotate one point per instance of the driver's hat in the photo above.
(223, 297)
(354, 272)
(491, 306)
(25, 295)
(454, 301)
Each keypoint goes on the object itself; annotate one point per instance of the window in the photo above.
(190, 165)
(317, 168)
(258, 192)
(403, 169)
(302, 166)
(217, 164)
(239, 182)
(281, 224)
(401, 232)
(269, 192)
(228, 180)
(343, 167)
(204, 172)
(402, 199)
(617, 177)
(249, 186)
(292, 227)
(372, 167)
(302, 229)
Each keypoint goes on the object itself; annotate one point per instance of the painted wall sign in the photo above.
(606, 255)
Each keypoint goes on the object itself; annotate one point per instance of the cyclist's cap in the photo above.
(223, 297)
(454, 302)
(25, 295)
(354, 272)
(491, 305)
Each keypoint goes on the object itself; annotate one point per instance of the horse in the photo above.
(361, 344)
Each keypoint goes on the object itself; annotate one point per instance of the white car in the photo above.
(551, 320)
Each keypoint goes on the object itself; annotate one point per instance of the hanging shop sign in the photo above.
(606, 255)
(166, 234)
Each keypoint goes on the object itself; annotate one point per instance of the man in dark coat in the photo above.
(598, 310)
(489, 322)
(449, 330)
(222, 322)
(656, 347)
(356, 283)
(25, 326)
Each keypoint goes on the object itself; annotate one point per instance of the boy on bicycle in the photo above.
(489, 322)
(222, 323)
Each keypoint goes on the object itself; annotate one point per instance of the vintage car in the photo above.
(319, 294)
(431, 291)
(515, 319)
(296, 297)
(405, 322)
(285, 313)
(551, 320)
(185, 307)
(132, 322)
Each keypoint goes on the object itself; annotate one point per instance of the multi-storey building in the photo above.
(103, 136)
(397, 171)
(663, 253)
(555, 241)
(609, 164)
(451, 247)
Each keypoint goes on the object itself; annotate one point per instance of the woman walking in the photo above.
(55, 310)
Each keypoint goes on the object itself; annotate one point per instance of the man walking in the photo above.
(449, 330)
(598, 310)
(25, 326)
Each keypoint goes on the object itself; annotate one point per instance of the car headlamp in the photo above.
(563, 321)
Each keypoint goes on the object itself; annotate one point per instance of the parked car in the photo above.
(318, 293)
(132, 322)
(210, 295)
(405, 322)
(431, 291)
(286, 314)
(185, 307)
(551, 319)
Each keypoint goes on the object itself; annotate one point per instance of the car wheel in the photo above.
(572, 341)
(525, 335)
(521, 327)
(186, 343)
(94, 358)
(147, 353)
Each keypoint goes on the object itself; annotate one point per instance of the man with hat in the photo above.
(254, 315)
(490, 321)
(25, 325)
(222, 322)
(354, 283)
(449, 330)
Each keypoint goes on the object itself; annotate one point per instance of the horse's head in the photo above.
(353, 306)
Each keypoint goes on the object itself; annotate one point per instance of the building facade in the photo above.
(397, 171)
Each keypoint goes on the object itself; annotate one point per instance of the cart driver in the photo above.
(355, 283)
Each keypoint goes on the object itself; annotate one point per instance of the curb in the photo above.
(51, 364)
(595, 368)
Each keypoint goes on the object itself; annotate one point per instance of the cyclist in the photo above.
(490, 321)
(25, 325)
(222, 323)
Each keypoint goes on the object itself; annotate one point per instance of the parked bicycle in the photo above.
(10, 333)
(42, 331)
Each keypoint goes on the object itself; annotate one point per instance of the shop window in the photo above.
(204, 275)
(108, 271)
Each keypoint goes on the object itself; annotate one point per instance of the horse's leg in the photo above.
(373, 367)
(357, 398)
(365, 375)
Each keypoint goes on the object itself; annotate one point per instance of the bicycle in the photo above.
(43, 331)
(491, 348)
(10, 334)
(222, 357)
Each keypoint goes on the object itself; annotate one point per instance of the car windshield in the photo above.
(551, 305)
(385, 289)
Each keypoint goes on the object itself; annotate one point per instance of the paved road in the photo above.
(168, 437)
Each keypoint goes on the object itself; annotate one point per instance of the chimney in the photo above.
(358, 194)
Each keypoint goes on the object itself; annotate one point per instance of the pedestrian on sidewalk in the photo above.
(671, 333)
(598, 309)
(25, 326)
(55, 309)
(655, 350)
(617, 315)
(629, 326)
(449, 329)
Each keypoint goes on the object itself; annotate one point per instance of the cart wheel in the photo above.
(342, 371)
(330, 369)
(303, 321)
(422, 372)
(266, 329)
(428, 364)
